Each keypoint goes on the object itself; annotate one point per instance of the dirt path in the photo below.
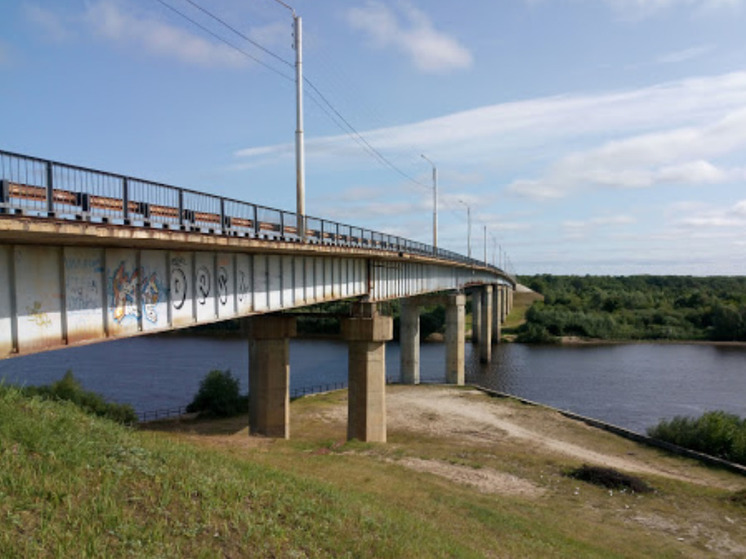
(472, 415)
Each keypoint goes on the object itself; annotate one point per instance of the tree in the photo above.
(218, 396)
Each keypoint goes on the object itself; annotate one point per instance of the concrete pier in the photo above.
(269, 375)
(485, 336)
(496, 322)
(409, 339)
(455, 332)
(476, 315)
(367, 333)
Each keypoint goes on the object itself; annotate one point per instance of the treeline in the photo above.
(636, 308)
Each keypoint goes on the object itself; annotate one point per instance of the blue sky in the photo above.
(589, 136)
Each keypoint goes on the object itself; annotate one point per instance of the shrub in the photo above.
(716, 433)
(68, 388)
(218, 396)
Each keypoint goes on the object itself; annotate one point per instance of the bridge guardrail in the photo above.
(44, 188)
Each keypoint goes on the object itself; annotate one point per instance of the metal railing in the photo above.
(43, 188)
(163, 413)
(152, 415)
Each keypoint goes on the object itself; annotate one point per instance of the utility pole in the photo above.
(435, 204)
(468, 228)
(300, 167)
(485, 245)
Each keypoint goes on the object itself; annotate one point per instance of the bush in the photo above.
(218, 396)
(716, 433)
(69, 389)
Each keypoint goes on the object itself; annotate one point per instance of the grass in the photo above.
(72, 485)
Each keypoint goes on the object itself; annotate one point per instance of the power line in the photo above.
(223, 40)
(242, 35)
(346, 126)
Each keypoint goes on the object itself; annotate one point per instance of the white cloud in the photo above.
(412, 33)
(685, 54)
(676, 156)
(110, 22)
(711, 219)
(687, 132)
(644, 8)
(54, 26)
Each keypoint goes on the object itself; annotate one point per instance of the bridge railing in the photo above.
(39, 187)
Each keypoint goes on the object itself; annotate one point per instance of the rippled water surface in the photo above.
(631, 385)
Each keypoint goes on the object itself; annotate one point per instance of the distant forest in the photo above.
(636, 308)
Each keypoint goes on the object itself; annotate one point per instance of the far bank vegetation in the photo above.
(636, 308)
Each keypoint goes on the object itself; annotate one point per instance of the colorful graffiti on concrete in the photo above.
(124, 287)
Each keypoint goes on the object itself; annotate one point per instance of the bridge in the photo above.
(89, 256)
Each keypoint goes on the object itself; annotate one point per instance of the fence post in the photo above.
(125, 201)
(4, 195)
(256, 221)
(181, 209)
(50, 189)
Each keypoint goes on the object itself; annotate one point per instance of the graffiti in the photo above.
(243, 286)
(38, 316)
(203, 284)
(150, 296)
(178, 283)
(223, 285)
(124, 294)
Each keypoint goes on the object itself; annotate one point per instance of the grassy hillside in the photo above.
(444, 486)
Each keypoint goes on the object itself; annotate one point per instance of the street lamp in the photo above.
(468, 228)
(435, 203)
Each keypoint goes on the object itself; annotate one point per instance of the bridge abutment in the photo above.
(367, 333)
(269, 375)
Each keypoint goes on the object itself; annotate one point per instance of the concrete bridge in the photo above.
(88, 256)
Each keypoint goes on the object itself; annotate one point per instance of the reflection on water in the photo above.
(631, 385)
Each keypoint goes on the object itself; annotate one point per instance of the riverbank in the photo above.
(488, 474)
(577, 340)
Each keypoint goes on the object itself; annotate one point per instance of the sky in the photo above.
(580, 136)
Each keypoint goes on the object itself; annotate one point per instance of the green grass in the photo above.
(74, 485)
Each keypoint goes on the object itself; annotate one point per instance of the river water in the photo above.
(629, 385)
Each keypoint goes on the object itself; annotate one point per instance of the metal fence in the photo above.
(39, 187)
(153, 415)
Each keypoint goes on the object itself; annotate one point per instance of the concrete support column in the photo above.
(409, 339)
(504, 301)
(367, 333)
(511, 291)
(269, 375)
(485, 337)
(455, 326)
(496, 323)
(476, 316)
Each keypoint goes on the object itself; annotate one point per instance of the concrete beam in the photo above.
(269, 375)
(455, 326)
(366, 335)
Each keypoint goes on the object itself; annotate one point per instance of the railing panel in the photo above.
(38, 187)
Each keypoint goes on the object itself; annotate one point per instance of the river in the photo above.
(629, 385)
